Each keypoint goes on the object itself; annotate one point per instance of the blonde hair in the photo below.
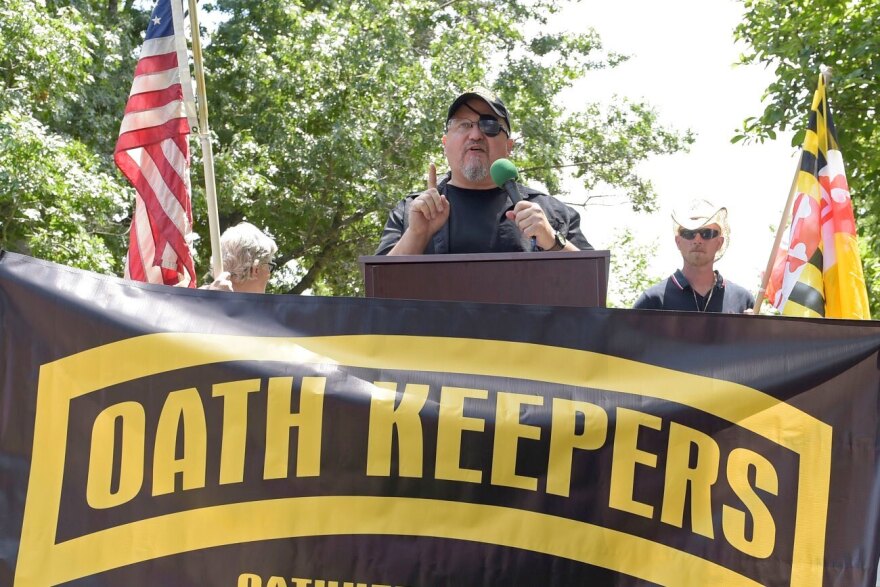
(244, 247)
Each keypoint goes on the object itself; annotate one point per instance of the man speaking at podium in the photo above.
(467, 212)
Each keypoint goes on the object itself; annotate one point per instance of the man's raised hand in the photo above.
(429, 210)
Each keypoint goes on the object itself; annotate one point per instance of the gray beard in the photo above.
(475, 171)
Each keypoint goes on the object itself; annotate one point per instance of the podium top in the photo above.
(482, 257)
(577, 278)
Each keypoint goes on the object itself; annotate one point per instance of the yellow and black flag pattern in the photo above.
(820, 273)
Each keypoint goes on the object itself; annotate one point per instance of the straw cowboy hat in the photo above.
(699, 213)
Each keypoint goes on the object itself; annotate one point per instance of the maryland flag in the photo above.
(819, 273)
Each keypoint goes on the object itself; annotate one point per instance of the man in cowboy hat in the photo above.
(701, 235)
(466, 212)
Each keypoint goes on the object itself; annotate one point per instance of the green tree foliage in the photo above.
(630, 273)
(44, 57)
(59, 200)
(323, 114)
(327, 113)
(796, 38)
(55, 201)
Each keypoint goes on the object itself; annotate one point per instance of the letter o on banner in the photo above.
(99, 488)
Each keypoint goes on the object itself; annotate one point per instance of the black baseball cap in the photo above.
(486, 96)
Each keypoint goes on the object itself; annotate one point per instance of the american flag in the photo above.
(153, 153)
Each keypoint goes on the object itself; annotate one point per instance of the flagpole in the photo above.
(759, 297)
(205, 139)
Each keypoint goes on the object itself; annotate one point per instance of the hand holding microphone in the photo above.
(528, 216)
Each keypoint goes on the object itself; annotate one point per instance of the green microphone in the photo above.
(504, 174)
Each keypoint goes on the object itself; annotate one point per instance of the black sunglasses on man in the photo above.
(705, 233)
(488, 125)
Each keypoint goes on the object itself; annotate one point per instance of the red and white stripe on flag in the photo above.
(153, 153)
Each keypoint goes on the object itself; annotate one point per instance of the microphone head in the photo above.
(503, 171)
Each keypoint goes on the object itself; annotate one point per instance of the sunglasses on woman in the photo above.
(705, 233)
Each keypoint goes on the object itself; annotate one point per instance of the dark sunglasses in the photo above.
(272, 265)
(488, 125)
(705, 233)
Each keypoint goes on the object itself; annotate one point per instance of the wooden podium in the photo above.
(553, 279)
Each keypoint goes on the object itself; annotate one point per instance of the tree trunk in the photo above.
(317, 267)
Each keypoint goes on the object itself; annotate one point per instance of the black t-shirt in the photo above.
(477, 223)
(504, 238)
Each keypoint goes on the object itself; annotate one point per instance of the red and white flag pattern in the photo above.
(153, 153)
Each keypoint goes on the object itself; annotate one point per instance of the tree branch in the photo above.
(447, 4)
(320, 262)
(543, 167)
(327, 247)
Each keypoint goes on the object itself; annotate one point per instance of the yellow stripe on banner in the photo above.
(43, 562)
(846, 295)
(360, 515)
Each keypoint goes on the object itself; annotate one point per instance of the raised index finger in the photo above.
(432, 176)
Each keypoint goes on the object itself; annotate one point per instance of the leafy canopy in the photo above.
(323, 115)
(59, 200)
(327, 113)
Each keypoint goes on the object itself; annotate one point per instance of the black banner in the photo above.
(160, 436)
